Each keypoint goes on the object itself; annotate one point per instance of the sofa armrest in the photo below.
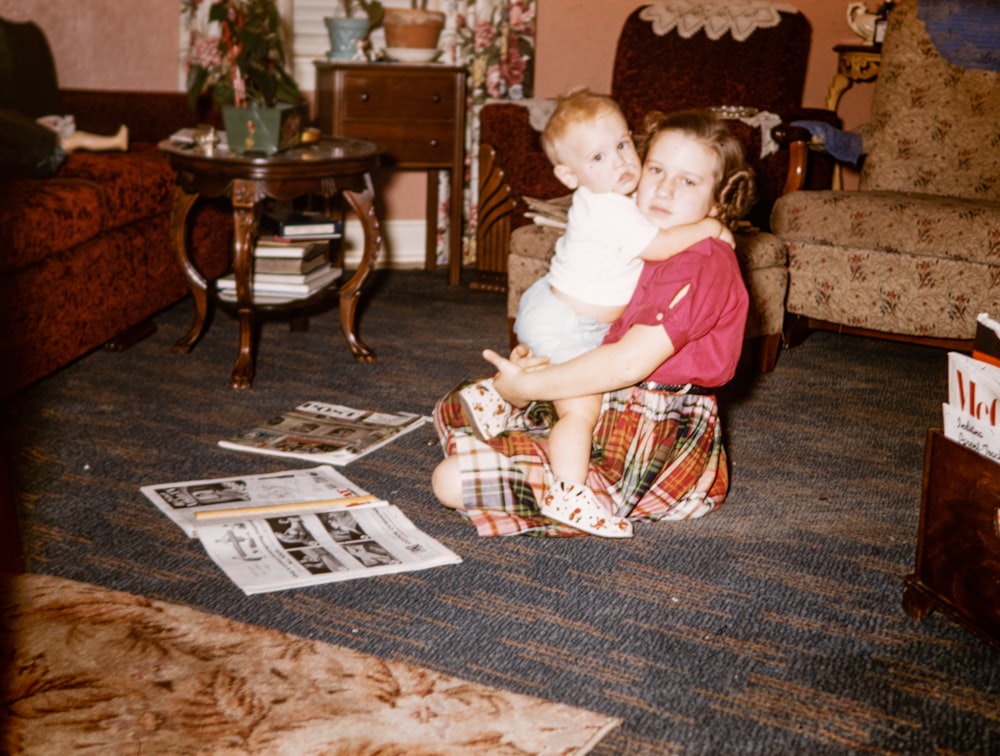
(150, 116)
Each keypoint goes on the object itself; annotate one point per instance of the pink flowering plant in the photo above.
(237, 55)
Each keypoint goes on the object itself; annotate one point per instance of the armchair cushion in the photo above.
(910, 264)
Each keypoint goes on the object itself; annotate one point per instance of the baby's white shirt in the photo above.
(597, 259)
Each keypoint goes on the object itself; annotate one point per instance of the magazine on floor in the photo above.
(297, 528)
(972, 412)
(327, 433)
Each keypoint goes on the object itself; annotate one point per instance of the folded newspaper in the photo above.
(329, 433)
(551, 213)
(296, 528)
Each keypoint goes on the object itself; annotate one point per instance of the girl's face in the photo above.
(678, 180)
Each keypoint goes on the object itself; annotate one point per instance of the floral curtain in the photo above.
(495, 39)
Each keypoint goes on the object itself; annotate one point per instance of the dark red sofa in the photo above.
(85, 254)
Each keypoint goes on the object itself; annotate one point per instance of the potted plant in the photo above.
(240, 61)
(413, 28)
(349, 30)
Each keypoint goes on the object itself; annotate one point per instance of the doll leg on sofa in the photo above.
(71, 139)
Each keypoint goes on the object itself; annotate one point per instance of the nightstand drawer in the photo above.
(412, 98)
(418, 142)
(416, 114)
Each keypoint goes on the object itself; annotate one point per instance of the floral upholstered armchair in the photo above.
(747, 59)
(914, 253)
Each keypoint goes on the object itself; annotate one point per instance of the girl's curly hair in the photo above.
(735, 187)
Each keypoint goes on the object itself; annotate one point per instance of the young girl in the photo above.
(596, 266)
(660, 446)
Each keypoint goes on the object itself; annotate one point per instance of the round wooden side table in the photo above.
(325, 168)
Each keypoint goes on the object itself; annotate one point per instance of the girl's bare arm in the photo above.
(612, 366)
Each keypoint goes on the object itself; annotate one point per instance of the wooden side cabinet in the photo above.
(958, 542)
(415, 112)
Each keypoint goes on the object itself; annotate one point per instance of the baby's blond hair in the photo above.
(579, 106)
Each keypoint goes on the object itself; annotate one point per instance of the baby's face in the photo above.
(600, 156)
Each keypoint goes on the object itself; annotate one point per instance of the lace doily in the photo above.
(739, 17)
(765, 121)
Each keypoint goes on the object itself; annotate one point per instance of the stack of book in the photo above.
(972, 413)
(291, 259)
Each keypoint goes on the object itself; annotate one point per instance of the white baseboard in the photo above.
(402, 244)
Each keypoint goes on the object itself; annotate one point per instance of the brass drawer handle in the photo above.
(434, 143)
(364, 97)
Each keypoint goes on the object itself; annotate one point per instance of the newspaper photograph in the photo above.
(329, 433)
(182, 502)
(292, 550)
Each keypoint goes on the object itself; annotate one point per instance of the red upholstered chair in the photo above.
(759, 76)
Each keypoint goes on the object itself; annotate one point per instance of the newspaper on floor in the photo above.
(182, 502)
(329, 433)
(297, 528)
(293, 550)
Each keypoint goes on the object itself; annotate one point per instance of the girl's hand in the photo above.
(510, 375)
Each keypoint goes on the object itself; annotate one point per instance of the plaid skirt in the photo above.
(655, 456)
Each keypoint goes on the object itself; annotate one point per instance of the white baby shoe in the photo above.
(577, 506)
(486, 410)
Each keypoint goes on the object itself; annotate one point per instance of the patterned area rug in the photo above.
(100, 671)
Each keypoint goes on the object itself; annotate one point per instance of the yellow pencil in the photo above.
(348, 501)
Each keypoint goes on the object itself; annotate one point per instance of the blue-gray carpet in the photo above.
(773, 626)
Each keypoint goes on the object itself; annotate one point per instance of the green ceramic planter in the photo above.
(344, 36)
(262, 129)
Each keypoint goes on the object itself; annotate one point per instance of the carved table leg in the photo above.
(244, 231)
(361, 203)
(183, 202)
(916, 601)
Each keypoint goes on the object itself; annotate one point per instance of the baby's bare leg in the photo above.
(569, 499)
(571, 436)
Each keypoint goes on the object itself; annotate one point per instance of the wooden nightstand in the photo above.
(417, 113)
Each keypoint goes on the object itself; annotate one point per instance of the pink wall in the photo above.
(112, 44)
(107, 44)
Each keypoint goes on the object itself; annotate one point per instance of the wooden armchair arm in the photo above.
(493, 230)
(796, 140)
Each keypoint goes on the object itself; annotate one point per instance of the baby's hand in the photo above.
(522, 357)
